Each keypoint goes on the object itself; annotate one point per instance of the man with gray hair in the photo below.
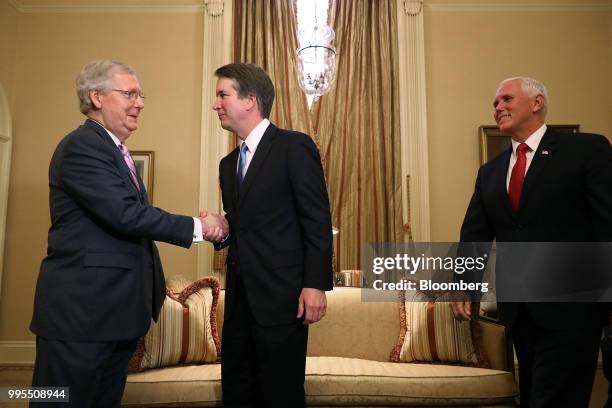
(548, 187)
(102, 279)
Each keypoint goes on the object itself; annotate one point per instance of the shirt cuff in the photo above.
(197, 230)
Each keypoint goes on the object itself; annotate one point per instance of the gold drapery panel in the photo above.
(356, 125)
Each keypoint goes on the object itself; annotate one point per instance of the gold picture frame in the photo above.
(144, 161)
(493, 141)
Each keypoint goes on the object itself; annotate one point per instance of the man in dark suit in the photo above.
(102, 280)
(280, 245)
(548, 187)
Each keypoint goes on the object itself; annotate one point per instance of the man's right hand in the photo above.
(461, 310)
(214, 226)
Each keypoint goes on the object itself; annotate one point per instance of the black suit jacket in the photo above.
(566, 197)
(102, 278)
(280, 225)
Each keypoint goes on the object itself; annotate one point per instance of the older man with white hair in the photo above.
(102, 279)
(547, 187)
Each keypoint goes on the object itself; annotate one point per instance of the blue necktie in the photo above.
(242, 162)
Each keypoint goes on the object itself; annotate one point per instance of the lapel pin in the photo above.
(545, 152)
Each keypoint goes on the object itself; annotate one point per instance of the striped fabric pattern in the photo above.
(430, 333)
(186, 331)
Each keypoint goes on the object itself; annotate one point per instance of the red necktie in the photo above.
(518, 176)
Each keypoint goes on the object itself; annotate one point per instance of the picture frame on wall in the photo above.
(144, 160)
(493, 141)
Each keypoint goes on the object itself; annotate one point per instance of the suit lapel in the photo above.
(541, 157)
(123, 167)
(141, 193)
(501, 174)
(144, 196)
(256, 162)
(232, 176)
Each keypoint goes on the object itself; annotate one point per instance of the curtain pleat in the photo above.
(356, 125)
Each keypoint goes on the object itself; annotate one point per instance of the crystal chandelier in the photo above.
(316, 56)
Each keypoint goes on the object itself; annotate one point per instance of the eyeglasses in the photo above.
(131, 95)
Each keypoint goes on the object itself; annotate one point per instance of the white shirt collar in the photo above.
(253, 139)
(533, 141)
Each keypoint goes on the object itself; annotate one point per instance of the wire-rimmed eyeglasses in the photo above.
(131, 95)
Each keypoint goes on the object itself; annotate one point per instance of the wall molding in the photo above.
(194, 8)
(214, 141)
(17, 352)
(413, 120)
(101, 8)
(214, 8)
(487, 7)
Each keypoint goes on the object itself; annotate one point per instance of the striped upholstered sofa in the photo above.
(348, 365)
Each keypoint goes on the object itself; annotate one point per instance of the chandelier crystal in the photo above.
(316, 56)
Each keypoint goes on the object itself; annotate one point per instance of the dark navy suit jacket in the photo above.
(280, 225)
(102, 279)
(566, 197)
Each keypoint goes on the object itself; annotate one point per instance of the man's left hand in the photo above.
(312, 305)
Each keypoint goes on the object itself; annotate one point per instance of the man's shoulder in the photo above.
(77, 133)
(84, 132)
(288, 132)
(586, 145)
(579, 138)
(84, 138)
(593, 138)
(293, 137)
(500, 160)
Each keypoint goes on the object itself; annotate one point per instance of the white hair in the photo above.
(96, 76)
(531, 87)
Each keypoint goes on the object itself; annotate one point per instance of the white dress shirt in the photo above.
(252, 141)
(533, 141)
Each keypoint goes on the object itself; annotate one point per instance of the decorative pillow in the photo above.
(430, 333)
(186, 331)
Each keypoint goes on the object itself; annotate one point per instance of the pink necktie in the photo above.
(130, 163)
(518, 176)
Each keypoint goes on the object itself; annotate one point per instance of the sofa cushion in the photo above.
(335, 381)
(429, 332)
(179, 386)
(355, 328)
(186, 331)
(348, 381)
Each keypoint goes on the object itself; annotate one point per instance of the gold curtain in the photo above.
(356, 125)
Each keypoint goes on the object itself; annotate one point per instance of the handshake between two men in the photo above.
(214, 226)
